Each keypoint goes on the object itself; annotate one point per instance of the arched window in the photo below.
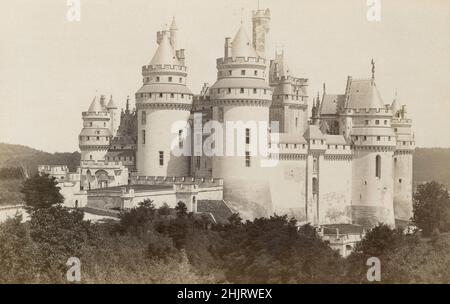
(378, 166)
(315, 167)
(315, 186)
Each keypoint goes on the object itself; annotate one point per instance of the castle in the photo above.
(247, 141)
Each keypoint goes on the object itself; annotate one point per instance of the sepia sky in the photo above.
(50, 69)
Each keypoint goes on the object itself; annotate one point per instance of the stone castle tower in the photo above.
(241, 95)
(368, 127)
(96, 133)
(350, 164)
(163, 99)
(403, 164)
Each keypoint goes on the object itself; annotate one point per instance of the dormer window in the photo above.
(255, 73)
(242, 90)
(170, 79)
(254, 91)
(242, 72)
(157, 78)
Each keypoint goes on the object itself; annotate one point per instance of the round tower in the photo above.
(114, 115)
(162, 103)
(373, 143)
(290, 97)
(241, 98)
(402, 162)
(95, 136)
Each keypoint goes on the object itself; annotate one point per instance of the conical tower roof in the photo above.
(242, 46)
(395, 107)
(164, 54)
(111, 104)
(363, 94)
(95, 106)
(173, 26)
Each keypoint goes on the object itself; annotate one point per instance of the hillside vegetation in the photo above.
(18, 155)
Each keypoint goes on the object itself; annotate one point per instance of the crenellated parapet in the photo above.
(179, 180)
(232, 61)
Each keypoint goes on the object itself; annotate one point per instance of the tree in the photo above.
(431, 208)
(235, 220)
(139, 218)
(41, 191)
(181, 209)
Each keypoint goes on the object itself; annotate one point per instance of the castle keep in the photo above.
(350, 162)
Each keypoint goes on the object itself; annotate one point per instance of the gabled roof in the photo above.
(343, 229)
(242, 46)
(363, 94)
(313, 132)
(165, 53)
(330, 103)
(286, 138)
(217, 208)
(95, 106)
(335, 139)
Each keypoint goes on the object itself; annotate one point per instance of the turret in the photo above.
(173, 34)
(403, 161)
(369, 129)
(114, 115)
(163, 103)
(241, 98)
(96, 133)
(261, 28)
(290, 97)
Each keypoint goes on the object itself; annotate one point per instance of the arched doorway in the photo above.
(102, 178)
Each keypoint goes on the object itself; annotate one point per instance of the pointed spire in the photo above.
(324, 89)
(95, 106)
(395, 107)
(111, 104)
(241, 45)
(373, 69)
(173, 26)
(165, 53)
(127, 109)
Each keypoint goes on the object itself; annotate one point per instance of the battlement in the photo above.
(241, 60)
(401, 121)
(146, 69)
(261, 13)
(368, 111)
(87, 114)
(293, 80)
(167, 180)
(100, 163)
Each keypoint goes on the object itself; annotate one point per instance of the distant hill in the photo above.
(17, 155)
(432, 164)
(428, 164)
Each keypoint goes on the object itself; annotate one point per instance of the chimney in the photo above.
(227, 47)
(159, 36)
